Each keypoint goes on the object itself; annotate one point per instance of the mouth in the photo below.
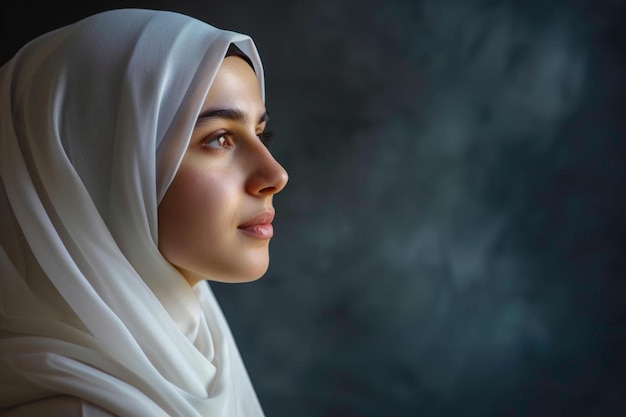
(260, 226)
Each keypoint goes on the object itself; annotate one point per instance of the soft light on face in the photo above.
(215, 218)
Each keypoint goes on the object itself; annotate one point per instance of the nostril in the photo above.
(268, 190)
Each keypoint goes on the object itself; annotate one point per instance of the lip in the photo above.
(260, 226)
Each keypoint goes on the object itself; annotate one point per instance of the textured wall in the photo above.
(452, 241)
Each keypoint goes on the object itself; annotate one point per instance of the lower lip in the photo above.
(260, 231)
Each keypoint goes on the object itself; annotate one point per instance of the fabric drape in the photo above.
(94, 120)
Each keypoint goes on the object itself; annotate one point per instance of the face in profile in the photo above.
(215, 218)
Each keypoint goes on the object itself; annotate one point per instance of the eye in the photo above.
(266, 137)
(219, 141)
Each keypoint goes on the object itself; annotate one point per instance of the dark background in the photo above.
(452, 240)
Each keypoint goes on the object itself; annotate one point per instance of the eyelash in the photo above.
(265, 138)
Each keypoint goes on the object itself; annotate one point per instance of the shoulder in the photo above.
(59, 406)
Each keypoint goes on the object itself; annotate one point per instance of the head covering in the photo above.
(94, 120)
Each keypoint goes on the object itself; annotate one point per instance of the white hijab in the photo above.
(94, 120)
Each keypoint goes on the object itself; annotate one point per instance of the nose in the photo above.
(267, 177)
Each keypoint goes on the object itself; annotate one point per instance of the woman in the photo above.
(133, 168)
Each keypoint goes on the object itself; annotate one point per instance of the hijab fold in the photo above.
(95, 118)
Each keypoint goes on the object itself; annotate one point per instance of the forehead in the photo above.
(235, 85)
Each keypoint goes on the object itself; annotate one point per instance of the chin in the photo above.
(247, 276)
(250, 274)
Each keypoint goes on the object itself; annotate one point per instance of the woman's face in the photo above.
(215, 218)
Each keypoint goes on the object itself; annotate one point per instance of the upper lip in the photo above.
(265, 217)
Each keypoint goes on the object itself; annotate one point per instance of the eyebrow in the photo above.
(230, 114)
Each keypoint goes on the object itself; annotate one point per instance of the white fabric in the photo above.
(60, 406)
(94, 120)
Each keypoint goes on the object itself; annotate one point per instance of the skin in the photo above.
(226, 178)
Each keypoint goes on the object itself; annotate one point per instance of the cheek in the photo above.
(192, 213)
